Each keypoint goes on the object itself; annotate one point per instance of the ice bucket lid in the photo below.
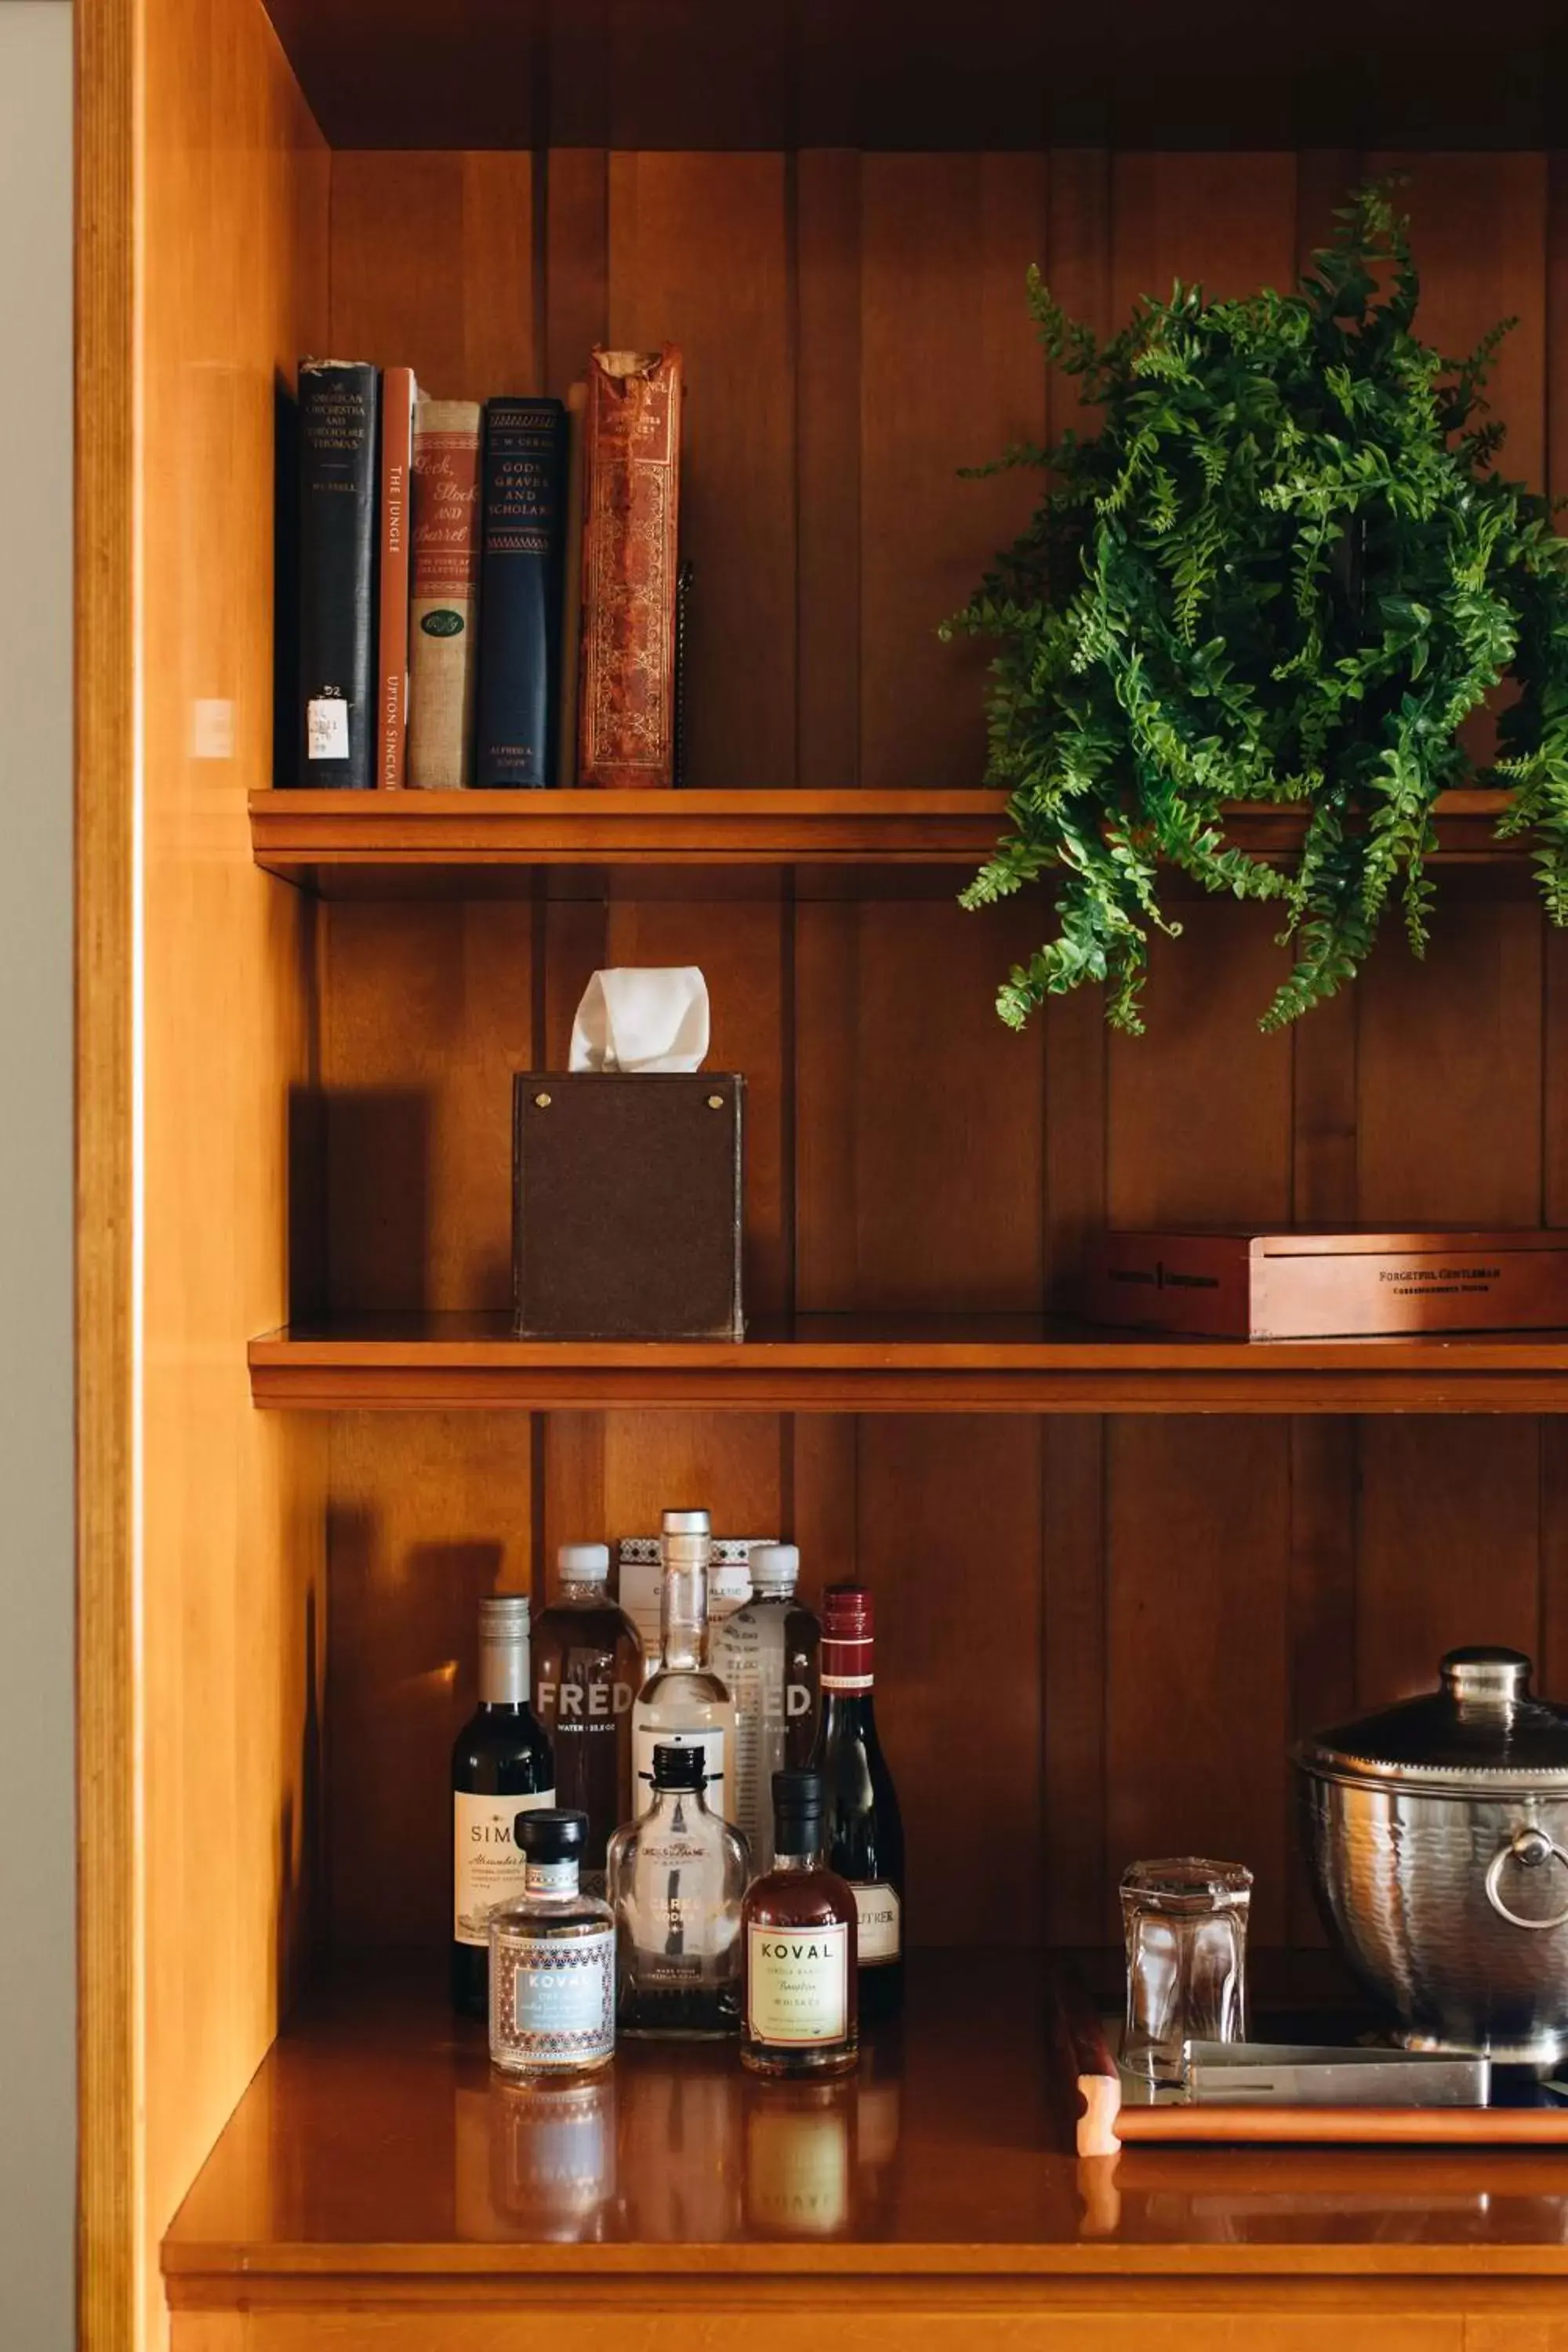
(1481, 1729)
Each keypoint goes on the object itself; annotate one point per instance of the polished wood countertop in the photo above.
(374, 2142)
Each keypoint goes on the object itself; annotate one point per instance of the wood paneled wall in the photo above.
(215, 1791)
(1096, 1639)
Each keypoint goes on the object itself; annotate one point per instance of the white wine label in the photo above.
(327, 728)
(645, 1740)
(797, 1984)
(879, 1923)
(561, 2009)
(487, 1867)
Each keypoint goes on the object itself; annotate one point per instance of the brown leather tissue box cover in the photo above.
(627, 1205)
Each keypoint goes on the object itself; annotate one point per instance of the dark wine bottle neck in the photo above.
(851, 1711)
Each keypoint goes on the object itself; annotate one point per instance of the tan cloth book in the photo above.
(443, 660)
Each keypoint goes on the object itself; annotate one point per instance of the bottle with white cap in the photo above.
(684, 1702)
(767, 1652)
(587, 1671)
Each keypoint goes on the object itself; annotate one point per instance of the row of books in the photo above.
(488, 595)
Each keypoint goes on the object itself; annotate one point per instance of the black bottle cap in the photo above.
(797, 1796)
(551, 1835)
(679, 1767)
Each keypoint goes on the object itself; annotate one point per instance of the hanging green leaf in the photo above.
(1285, 569)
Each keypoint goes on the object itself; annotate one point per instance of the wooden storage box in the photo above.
(627, 1205)
(1233, 1286)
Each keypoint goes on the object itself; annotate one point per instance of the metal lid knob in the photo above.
(1484, 1676)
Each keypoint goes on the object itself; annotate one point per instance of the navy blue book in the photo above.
(335, 719)
(520, 572)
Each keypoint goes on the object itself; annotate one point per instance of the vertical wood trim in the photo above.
(111, 2194)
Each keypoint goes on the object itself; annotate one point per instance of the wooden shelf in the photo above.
(775, 73)
(373, 2150)
(359, 844)
(841, 1363)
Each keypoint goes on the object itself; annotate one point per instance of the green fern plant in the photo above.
(1286, 569)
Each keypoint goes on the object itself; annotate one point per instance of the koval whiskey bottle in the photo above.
(864, 1838)
(683, 1703)
(553, 1959)
(676, 1879)
(587, 1671)
(767, 1653)
(798, 1927)
(501, 1764)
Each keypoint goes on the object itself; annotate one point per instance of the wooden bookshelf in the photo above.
(353, 843)
(846, 1363)
(295, 1120)
(374, 2158)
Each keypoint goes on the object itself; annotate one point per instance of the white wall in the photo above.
(37, 2023)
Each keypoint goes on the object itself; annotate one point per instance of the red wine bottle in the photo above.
(502, 1765)
(863, 1834)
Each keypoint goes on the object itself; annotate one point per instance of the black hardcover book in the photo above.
(335, 724)
(519, 591)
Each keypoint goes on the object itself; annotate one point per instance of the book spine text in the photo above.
(444, 594)
(632, 465)
(519, 591)
(337, 698)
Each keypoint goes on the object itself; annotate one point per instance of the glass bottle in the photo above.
(798, 1926)
(587, 1671)
(553, 1959)
(501, 1765)
(676, 1878)
(767, 1652)
(683, 1703)
(865, 1833)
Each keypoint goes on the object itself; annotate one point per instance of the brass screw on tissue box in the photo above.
(627, 1205)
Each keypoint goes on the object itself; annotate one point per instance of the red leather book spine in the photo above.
(631, 503)
(397, 397)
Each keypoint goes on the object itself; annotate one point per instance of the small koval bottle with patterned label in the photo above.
(798, 1931)
(553, 1959)
(683, 1703)
(864, 1839)
(501, 1762)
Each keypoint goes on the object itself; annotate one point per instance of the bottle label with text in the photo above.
(797, 1984)
(487, 1867)
(563, 1998)
(879, 1937)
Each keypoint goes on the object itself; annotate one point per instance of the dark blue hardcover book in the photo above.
(335, 722)
(519, 591)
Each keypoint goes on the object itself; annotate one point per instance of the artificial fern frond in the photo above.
(1286, 569)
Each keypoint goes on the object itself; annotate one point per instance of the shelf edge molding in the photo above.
(307, 836)
(318, 1371)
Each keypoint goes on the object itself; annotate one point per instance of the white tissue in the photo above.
(642, 1019)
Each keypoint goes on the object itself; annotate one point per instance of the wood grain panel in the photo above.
(827, 465)
(229, 1643)
(1197, 1674)
(1448, 1548)
(949, 1519)
(428, 1012)
(577, 262)
(111, 2221)
(429, 1514)
(433, 268)
(1199, 1108)
(920, 1117)
(699, 256)
(1225, 221)
(951, 374)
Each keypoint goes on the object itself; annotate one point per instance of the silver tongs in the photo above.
(1302, 2074)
